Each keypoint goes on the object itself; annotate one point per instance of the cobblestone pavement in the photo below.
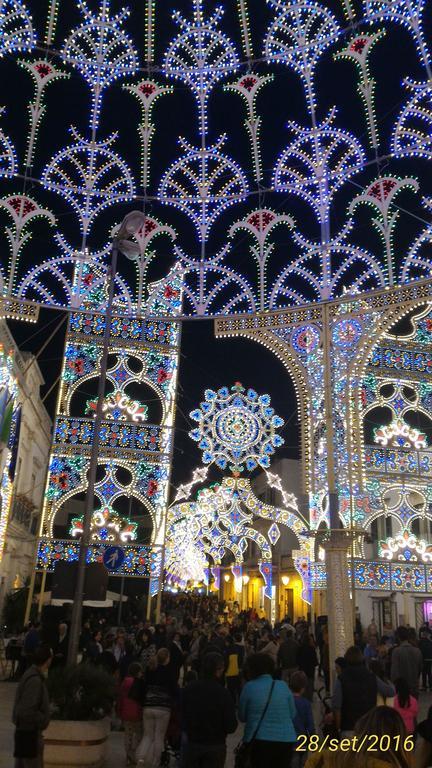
(115, 756)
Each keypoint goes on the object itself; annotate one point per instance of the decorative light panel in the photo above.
(68, 191)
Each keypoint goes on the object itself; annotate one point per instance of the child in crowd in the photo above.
(406, 705)
(130, 712)
(303, 721)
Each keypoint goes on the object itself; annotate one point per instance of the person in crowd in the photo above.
(176, 654)
(160, 693)
(371, 649)
(234, 655)
(271, 648)
(119, 646)
(423, 755)
(208, 716)
(106, 659)
(94, 647)
(377, 667)
(379, 721)
(325, 657)
(308, 661)
(406, 662)
(288, 655)
(192, 661)
(303, 720)
(31, 713)
(85, 637)
(406, 705)
(130, 712)
(32, 639)
(147, 648)
(355, 691)
(425, 645)
(267, 708)
(61, 646)
(340, 664)
(372, 631)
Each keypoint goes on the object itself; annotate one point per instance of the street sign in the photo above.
(113, 558)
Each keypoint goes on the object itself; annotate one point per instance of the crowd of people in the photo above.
(186, 683)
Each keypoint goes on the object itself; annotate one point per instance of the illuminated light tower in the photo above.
(130, 225)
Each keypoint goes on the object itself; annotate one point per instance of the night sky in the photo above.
(205, 361)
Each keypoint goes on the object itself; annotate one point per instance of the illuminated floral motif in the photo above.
(406, 547)
(147, 92)
(317, 162)
(248, 86)
(64, 475)
(16, 29)
(107, 525)
(23, 210)
(43, 72)
(236, 428)
(346, 333)
(305, 339)
(100, 50)
(90, 176)
(298, 37)
(412, 135)
(200, 55)
(381, 195)
(203, 183)
(7, 154)
(399, 434)
(409, 14)
(358, 50)
(261, 224)
(119, 407)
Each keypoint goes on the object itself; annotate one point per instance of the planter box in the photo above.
(69, 743)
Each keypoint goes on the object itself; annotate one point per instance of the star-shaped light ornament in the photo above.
(236, 428)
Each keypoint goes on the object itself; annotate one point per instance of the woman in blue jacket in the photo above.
(273, 743)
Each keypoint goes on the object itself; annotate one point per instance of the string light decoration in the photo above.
(399, 434)
(16, 28)
(408, 13)
(236, 428)
(406, 547)
(107, 525)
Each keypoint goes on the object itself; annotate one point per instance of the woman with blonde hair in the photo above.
(384, 732)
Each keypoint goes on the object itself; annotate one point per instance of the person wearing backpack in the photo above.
(31, 714)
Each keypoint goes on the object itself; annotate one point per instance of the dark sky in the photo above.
(205, 361)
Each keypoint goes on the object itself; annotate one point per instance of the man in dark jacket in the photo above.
(288, 656)
(31, 711)
(406, 662)
(355, 691)
(208, 716)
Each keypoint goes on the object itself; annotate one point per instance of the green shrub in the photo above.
(82, 692)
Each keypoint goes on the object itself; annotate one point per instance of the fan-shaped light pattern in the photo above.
(317, 162)
(298, 36)
(8, 160)
(412, 135)
(236, 428)
(409, 13)
(202, 184)
(100, 50)
(16, 28)
(90, 176)
(201, 54)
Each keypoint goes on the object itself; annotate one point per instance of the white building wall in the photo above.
(31, 469)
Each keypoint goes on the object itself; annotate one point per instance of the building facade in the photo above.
(24, 488)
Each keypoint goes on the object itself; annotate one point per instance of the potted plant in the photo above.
(81, 699)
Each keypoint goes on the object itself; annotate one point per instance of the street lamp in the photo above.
(131, 224)
(285, 580)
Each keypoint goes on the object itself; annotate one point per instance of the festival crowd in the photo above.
(186, 683)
